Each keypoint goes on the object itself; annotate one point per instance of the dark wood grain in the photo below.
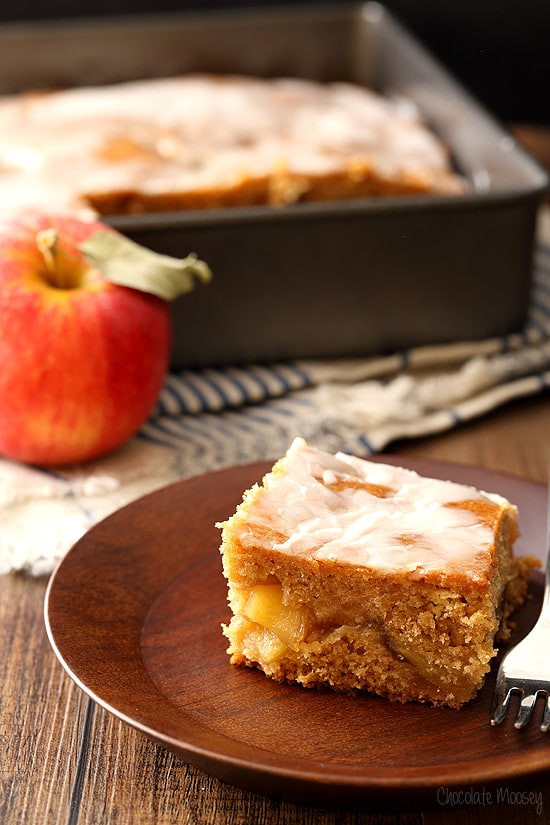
(129, 780)
(41, 712)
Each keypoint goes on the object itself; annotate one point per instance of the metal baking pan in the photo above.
(329, 279)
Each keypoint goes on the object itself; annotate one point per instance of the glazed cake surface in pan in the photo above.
(206, 141)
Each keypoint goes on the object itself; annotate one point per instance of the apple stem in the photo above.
(46, 240)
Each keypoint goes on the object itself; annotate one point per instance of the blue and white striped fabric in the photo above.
(208, 419)
(224, 416)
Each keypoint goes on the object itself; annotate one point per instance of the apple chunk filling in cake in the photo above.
(359, 575)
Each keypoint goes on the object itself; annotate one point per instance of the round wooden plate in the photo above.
(134, 612)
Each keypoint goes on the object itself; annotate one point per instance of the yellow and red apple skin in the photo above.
(80, 368)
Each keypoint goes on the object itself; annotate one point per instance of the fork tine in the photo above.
(501, 700)
(525, 669)
(525, 710)
(545, 724)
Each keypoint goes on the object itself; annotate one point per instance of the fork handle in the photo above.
(545, 610)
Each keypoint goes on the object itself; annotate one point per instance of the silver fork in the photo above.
(525, 670)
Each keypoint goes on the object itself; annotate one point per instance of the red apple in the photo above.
(82, 359)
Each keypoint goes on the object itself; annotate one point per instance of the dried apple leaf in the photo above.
(126, 263)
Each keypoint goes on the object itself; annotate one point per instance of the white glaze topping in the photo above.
(387, 518)
(196, 132)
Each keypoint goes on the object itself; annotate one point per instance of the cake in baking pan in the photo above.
(359, 575)
(205, 141)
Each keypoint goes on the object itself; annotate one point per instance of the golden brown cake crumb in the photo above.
(359, 575)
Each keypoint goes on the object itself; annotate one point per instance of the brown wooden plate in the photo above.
(134, 611)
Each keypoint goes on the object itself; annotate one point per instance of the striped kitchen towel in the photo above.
(208, 419)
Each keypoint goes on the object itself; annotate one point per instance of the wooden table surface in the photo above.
(65, 760)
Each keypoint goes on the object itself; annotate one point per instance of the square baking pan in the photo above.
(332, 279)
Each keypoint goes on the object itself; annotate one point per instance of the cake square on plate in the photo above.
(359, 575)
